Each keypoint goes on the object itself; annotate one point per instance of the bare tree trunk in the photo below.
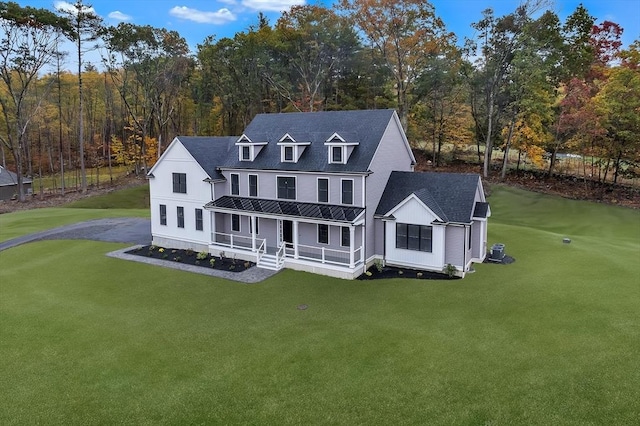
(488, 143)
(83, 172)
(505, 159)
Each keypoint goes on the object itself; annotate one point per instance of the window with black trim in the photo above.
(163, 214)
(180, 183)
(246, 153)
(235, 223)
(323, 233)
(199, 221)
(287, 188)
(347, 191)
(345, 236)
(323, 190)
(336, 154)
(235, 184)
(253, 185)
(180, 211)
(414, 237)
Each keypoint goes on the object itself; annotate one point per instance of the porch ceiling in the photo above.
(286, 208)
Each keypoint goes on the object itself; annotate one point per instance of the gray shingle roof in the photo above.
(288, 208)
(8, 178)
(363, 127)
(449, 195)
(210, 152)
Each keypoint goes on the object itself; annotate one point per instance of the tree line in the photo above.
(526, 82)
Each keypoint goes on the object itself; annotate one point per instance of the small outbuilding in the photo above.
(9, 184)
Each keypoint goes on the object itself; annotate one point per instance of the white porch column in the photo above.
(295, 239)
(362, 248)
(252, 218)
(352, 237)
(212, 226)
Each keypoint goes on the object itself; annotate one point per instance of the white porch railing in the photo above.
(280, 254)
(235, 241)
(325, 255)
(287, 250)
(261, 250)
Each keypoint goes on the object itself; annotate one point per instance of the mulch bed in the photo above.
(393, 272)
(190, 257)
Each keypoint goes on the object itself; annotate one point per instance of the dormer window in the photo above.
(336, 154)
(288, 153)
(247, 149)
(339, 149)
(246, 153)
(290, 149)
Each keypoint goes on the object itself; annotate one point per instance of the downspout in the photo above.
(464, 255)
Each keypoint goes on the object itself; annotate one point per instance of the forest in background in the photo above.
(527, 84)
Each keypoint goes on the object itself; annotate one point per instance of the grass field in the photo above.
(128, 202)
(553, 338)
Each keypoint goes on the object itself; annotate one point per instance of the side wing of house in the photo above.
(415, 236)
(431, 220)
(178, 192)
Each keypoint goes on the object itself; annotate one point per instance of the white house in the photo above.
(325, 192)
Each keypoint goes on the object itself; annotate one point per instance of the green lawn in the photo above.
(552, 339)
(125, 203)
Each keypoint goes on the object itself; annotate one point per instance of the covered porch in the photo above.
(277, 234)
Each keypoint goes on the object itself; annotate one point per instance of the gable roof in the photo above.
(451, 196)
(8, 178)
(210, 152)
(364, 127)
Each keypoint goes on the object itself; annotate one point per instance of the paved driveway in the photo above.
(130, 231)
(119, 230)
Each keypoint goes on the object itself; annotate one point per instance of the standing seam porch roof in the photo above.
(287, 208)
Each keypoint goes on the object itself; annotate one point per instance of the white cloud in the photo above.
(67, 7)
(119, 16)
(222, 16)
(229, 2)
(272, 5)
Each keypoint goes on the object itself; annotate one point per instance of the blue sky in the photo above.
(197, 19)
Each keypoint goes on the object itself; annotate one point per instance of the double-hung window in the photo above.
(345, 236)
(245, 153)
(336, 154)
(180, 211)
(235, 184)
(414, 237)
(347, 191)
(287, 188)
(288, 153)
(323, 190)
(235, 223)
(253, 185)
(323, 234)
(180, 183)
(163, 214)
(199, 221)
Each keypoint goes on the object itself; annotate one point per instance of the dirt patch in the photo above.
(572, 187)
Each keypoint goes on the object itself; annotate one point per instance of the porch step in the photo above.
(268, 261)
